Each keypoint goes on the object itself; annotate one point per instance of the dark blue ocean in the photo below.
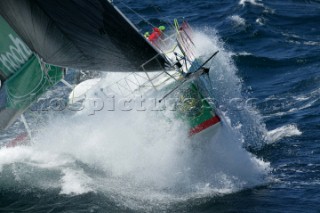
(266, 82)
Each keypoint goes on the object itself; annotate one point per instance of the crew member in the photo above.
(157, 32)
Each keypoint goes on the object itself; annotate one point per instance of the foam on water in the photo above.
(238, 21)
(260, 21)
(227, 89)
(283, 132)
(75, 182)
(294, 104)
(143, 159)
(253, 2)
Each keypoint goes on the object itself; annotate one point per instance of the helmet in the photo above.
(147, 34)
(162, 28)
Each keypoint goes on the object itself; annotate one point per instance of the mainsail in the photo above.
(40, 37)
(81, 34)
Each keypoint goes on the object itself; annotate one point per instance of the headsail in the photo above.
(81, 34)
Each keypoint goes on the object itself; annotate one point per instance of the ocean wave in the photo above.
(260, 21)
(276, 62)
(312, 43)
(253, 2)
(289, 130)
(238, 21)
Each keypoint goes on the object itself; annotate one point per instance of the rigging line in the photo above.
(136, 13)
(140, 16)
(168, 20)
(24, 121)
(45, 70)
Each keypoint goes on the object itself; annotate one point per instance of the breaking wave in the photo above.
(238, 21)
(253, 2)
(143, 160)
(283, 132)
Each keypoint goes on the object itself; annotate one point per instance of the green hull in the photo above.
(195, 110)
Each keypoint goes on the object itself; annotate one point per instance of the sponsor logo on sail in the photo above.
(17, 55)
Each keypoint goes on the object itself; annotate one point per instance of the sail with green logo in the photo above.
(13, 52)
(82, 34)
(23, 77)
